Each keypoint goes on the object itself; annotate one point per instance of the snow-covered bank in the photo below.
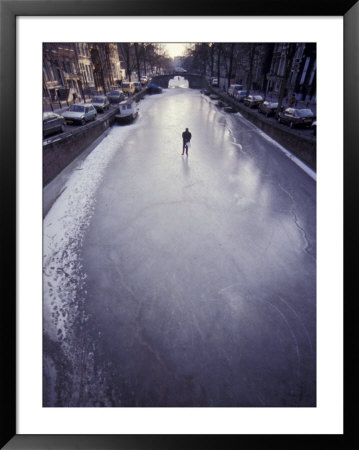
(64, 228)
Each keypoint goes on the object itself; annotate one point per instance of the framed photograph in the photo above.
(176, 247)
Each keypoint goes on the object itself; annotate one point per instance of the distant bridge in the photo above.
(195, 81)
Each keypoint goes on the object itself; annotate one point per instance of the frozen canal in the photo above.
(181, 282)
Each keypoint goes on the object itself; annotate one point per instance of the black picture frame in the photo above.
(9, 10)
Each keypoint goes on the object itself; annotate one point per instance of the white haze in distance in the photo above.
(178, 49)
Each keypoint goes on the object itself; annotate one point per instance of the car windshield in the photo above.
(114, 93)
(98, 99)
(257, 97)
(76, 108)
(125, 85)
(304, 113)
(273, 105)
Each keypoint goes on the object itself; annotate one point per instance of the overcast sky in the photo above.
(175, 49)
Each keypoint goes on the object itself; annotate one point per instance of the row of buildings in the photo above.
(267, 68)
(78, 69)
(301, 81)
(292, 64)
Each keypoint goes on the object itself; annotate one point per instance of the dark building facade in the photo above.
(301, 79)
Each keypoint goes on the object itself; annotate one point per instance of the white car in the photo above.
(253, 100)
(240, 95)
(233, 88)
(100, 102)
(80, 113)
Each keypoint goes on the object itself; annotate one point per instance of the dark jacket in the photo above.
(186, 136)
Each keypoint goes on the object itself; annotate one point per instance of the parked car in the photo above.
(52, 123)
(253, 100)
(128, 87)
(233, 88)
(101, 103)
(138, 86)
(153, 89)
(240, 95)
(214, 82)
(296, 117)
(80, 113)
(268, 108)
(116, 96)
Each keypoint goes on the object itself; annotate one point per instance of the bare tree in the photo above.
(137, 55)
(218, 47)
(198, 58)
(211, 58)
(290, 52)
(250, 72)
(126, 52)
(97, 68)
(228, 53)
(150, 52)
(147, 48)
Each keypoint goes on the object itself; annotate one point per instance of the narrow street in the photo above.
(175, 281)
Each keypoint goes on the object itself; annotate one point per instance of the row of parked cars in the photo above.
(81, 113)
(290, 116)
(78, 113)
(239, 93)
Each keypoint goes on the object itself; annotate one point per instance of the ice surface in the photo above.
(195, 276)
(178, 82)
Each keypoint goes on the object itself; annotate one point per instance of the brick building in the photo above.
(73, 70)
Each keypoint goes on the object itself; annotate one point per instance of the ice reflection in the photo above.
(185, 165)
(249, 176)
(178, 82)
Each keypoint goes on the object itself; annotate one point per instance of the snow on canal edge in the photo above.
(64, 228)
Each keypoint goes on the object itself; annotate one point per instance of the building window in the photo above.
(304, 74)
(89, 74)
(300, 52)
(313, 73)
(281, 66)
(46, 73)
